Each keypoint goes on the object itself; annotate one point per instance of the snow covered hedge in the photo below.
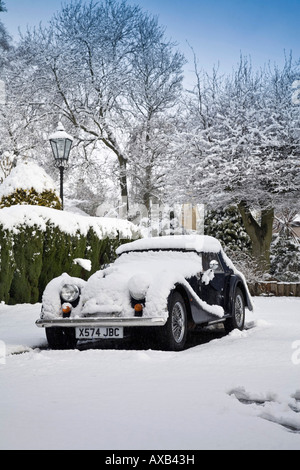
(39, 243)
(28, 183)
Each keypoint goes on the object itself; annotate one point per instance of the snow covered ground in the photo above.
(240, 391)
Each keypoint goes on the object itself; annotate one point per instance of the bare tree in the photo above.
(5, 38)
(154, 95)
(248, 154)
(87, 62)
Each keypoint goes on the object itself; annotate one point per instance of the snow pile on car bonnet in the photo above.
(199, 243)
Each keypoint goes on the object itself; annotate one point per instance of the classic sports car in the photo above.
(168, 284)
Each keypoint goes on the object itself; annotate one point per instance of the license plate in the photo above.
(99, 333)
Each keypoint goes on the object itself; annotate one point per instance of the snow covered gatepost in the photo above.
(40, 243)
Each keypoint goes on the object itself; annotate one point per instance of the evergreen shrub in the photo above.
(7, 263)
(32, 197)
(27, 250)
(285, 259)
(227, 226)
(31, 256)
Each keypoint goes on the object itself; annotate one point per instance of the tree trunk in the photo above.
(123, 188)
(260, 234)
(111, 143)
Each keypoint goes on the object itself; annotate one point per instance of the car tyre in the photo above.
(61, 338)
(174, 333)
(237, 319)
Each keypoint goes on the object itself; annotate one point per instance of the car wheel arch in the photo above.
(182, 291)
(236, 319)
(236, 283)
(240, 285)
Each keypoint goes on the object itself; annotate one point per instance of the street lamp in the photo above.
(61, 144)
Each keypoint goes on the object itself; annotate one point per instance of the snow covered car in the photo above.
(168, 284)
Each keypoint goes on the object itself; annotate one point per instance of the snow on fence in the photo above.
(273, 288)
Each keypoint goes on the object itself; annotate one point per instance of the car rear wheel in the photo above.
(174, 333)
(61, 338)
(237, 320)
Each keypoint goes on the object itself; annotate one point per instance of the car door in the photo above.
(212, 292)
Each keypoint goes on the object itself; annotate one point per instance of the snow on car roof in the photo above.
(199, 243)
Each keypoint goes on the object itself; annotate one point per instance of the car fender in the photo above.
(237, 282)
(199, 312)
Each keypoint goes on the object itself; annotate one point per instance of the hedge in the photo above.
(35, 248)
(7, 264)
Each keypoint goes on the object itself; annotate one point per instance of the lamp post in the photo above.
(61, 144)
